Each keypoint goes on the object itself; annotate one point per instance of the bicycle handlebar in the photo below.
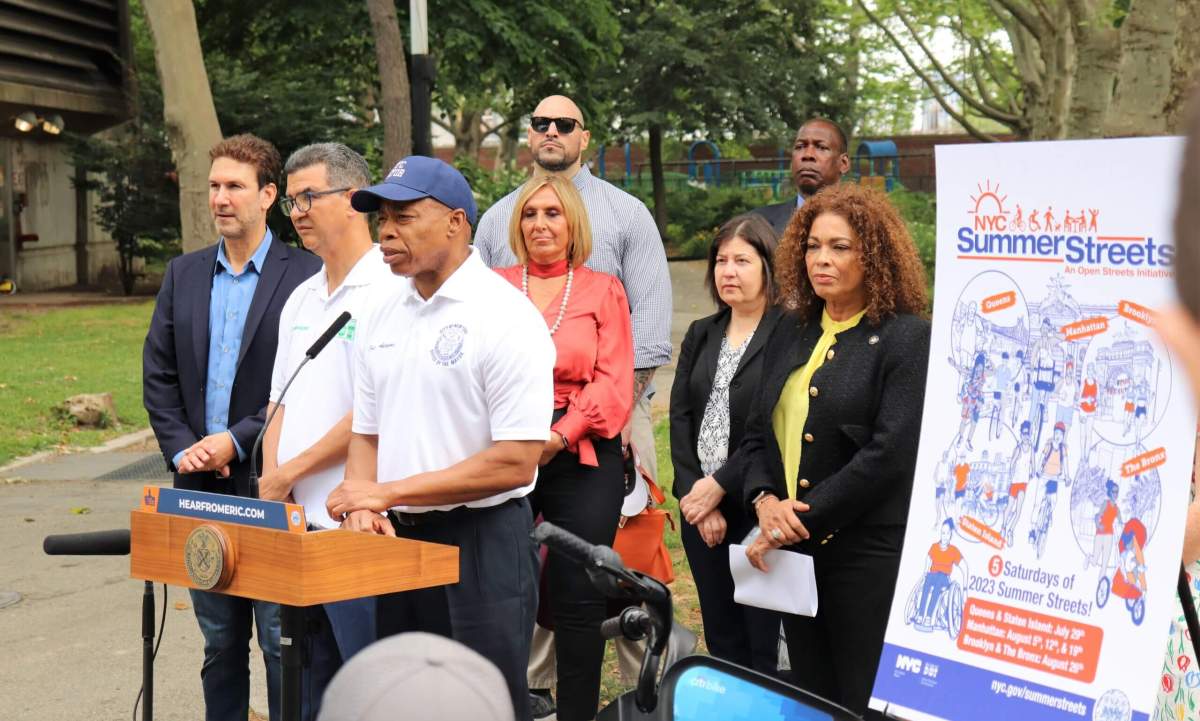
(608, 573)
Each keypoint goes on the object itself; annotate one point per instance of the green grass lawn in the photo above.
(49, 355)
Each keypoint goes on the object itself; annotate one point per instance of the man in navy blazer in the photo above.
(819, 159)
(206, 375)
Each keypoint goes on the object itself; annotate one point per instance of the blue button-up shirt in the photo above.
(227, 310)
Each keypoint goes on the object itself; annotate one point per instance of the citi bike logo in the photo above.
(998, 228)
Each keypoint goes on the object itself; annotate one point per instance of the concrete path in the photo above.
(70, 648)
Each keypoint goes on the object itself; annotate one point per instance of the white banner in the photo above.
(1042, 551)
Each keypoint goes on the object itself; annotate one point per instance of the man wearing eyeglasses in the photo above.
(819, 160)
(304, 449)
(626, 244)
(206, 373)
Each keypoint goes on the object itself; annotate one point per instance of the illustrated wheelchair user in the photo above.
(1053, 469)
(1019, 471)
(937, 602)
(1108, 516)
(1129, 578)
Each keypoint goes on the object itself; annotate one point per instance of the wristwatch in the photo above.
(758, 499)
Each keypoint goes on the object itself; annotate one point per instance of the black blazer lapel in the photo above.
(268, 282)
(202, 297)
(706, 364)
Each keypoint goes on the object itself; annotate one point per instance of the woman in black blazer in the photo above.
(841, 397)
(719, 368)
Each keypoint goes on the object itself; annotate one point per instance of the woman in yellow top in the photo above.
(831, 443)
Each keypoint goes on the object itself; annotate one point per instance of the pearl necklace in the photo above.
(562, 309)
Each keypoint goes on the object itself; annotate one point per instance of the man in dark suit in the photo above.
(206, 375)
(819, 159)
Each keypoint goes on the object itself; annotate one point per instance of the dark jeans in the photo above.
(745, 635)
(225, 624)
(491, 608)
(587, 502)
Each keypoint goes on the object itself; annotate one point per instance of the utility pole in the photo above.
(422, 74)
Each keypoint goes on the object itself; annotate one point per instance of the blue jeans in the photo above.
(225, 623)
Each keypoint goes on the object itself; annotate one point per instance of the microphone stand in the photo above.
(148, 651)
(292, 619)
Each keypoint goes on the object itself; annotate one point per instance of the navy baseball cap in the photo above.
(416, 177)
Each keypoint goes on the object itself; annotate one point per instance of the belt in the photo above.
(403, 519)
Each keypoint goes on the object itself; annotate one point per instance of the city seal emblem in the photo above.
(208, 557)
(448, 349)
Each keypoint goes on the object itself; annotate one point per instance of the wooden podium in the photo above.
(293, 568)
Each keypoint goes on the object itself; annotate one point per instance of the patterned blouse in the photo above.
(1179, 687)
(712, 445)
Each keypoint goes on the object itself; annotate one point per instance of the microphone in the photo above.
(330, 332)
(97, 543)
(314, 349)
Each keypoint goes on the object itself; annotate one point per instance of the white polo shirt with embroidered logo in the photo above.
(440, 380)
(323, 393)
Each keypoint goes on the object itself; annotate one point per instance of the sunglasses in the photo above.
(564, 126)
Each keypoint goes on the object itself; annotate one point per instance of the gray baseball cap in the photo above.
(417, 677)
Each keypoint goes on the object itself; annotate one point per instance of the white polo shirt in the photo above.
(440, 380)
(323, 393)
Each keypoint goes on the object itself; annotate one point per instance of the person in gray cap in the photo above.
(453, 393)
(417, 677)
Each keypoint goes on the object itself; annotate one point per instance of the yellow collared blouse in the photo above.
(791, 412)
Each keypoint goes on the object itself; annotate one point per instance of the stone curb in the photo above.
(116, 444)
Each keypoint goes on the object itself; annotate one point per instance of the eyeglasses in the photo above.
(303, 201)
(564, 126)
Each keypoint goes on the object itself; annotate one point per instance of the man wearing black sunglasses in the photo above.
(625, 244)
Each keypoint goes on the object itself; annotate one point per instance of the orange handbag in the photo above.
(640, 541)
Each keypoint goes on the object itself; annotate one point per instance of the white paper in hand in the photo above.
(790, 586)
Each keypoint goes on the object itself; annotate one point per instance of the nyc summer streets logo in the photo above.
(996, 227)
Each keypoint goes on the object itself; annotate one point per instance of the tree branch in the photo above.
(981, 106)
(1030, 21)
(928, 81)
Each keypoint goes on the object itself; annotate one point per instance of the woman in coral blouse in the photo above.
(580, 483)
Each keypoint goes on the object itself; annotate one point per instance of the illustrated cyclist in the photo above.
(1052, 469)
(1109, 515)
(1019, 471)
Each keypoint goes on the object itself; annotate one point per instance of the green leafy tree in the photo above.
(510, 55)
(718, 68)
(1048, 68)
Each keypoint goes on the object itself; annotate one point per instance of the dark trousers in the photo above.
(491, 608)
(587, 502)
(225, 624)
(745, 635)
(835, 655)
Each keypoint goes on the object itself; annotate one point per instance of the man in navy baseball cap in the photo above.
(453, 393)
(418, 177)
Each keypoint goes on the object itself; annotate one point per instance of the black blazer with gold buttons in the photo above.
(863, 426)
(694, 373)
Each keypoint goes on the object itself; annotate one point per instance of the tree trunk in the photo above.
(1097, 59)
(1144, 83)
(1184, 61)
(656, 178)
(396, 107)
(468, 133)
(188, 112)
